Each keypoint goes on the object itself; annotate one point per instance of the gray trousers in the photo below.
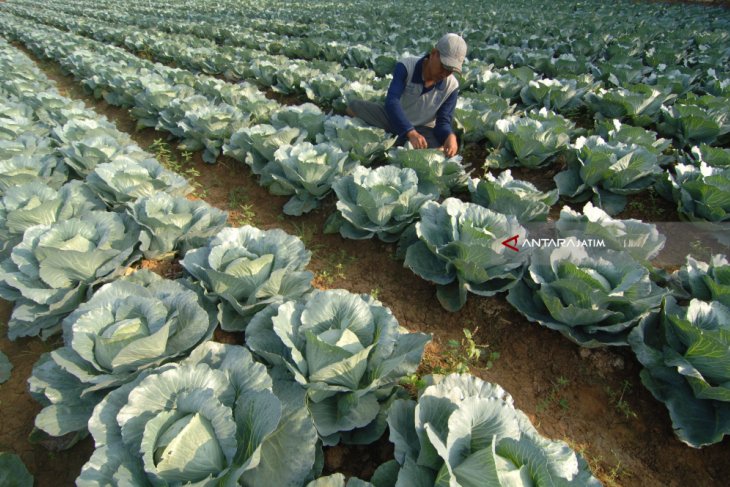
(374, 114)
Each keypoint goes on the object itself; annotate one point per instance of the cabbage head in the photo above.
(510, 196)
(49, 273)
(685, 352)
(613, 131)
(256, 146)
(21, 169)
(91, 149)
(128, 326)
(307, 172)
(476, 115)
(703, 280)
(460, 250)
(365, 144)
(608, 172)
(464, 432)
(206, 125)
(639, 104)
(307, 117)
(347, 351)
(690, 124)
(382, 202)
(553, 94)
(642, 240)
(701, 193)
(437, 174)
(533, 140)
(593, 297)
(212, 419)
(244, 269)
(35, 203)
(174, 223)
(125, 179)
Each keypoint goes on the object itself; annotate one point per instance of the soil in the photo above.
(592, 399)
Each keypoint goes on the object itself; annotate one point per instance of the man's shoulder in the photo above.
(409, 61)
(452, 84)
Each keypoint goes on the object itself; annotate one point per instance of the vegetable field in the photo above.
(211, 275)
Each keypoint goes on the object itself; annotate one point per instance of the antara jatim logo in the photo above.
(512, 245)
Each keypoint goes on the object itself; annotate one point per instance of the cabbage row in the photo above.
(617, 170)
(530, 145)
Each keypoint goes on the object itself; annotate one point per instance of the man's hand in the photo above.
(451, 147)
(417, 140)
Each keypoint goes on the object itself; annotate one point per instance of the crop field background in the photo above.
(578, 119)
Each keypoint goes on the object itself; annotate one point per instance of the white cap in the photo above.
(452, 50)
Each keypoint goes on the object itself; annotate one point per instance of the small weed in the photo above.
(306, 234)
(243, 212)
(616, 398)
(647, 205)
(554, 396)
(184, 167)
(375, 293)
(335, 266)
(413, 380)
(458, 356)
(699, 250)
(608, 474)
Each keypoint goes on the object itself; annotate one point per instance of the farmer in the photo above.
(421, 98)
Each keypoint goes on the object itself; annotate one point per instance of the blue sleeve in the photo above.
(445, 114)
(393, 108)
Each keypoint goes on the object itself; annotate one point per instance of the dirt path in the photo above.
(591, 399)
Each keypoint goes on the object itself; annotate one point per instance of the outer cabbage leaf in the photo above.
(13, 471)
(5, 368)
(712, 156)
(338, 480)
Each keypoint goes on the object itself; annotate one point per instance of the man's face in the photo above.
(437, 71)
